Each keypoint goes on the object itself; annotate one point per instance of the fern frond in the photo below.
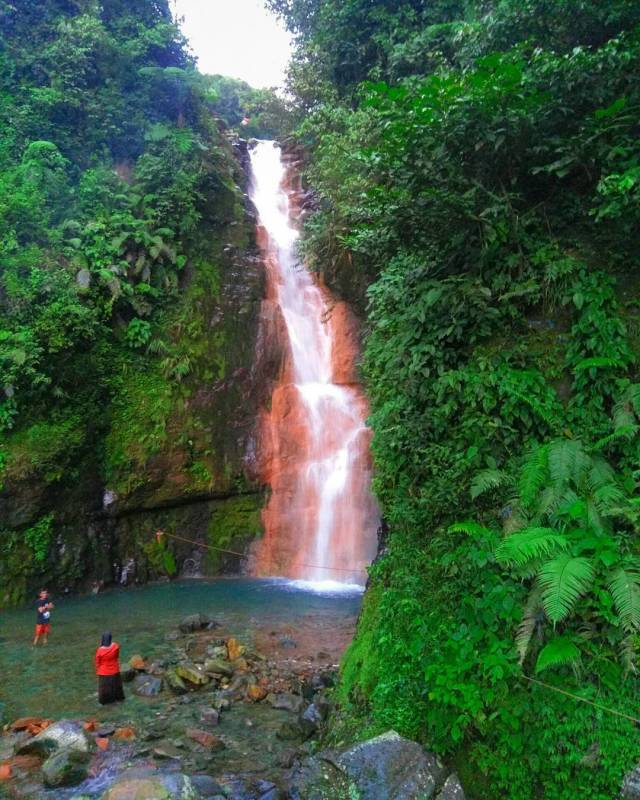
(548, 502)
(471, 528)
(488, 480)
(528, 623)
(601, 473)
(623, 432)
(558, 653)
(533, 474)
(529, 544)
(624, 586)
(567, 462)
(594, 518)
(598, 362)
(628, 654)
(630, 399)
(608, 496)
(564, 580)
(569, 504)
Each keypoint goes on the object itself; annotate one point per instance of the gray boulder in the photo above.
(65, 768)
(63, 735)
(147, 686)
(390, 767)
(452, 789)
(631, 785)
(206, 785)
(317, 779)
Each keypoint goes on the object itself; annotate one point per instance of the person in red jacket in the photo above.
(108, 671)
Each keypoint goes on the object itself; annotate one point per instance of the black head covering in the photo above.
(106, 639)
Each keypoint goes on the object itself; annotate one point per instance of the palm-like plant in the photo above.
(559, 534)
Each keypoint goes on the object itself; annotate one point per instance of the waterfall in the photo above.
(321, 519)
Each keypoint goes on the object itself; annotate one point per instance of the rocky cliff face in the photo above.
(171, 450)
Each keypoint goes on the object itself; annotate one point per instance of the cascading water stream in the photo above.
(321, 519)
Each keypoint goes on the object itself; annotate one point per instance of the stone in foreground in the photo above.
(146, 784)
(63, 735)
(388, 767)
(452, 789)
(631, 785)
(65, 768)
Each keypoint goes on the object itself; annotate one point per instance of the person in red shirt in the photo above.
(108, 671)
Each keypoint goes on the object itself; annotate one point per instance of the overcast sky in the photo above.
(239, 38)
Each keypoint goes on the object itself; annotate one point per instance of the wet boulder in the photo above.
(193, 674)
(287, 702)
(147, 686)
(244, 788)
(63, 735)
(317, 779)
(216, 666)
(205, 739)
(206, 785)
(297, 730)
(195, 622)
(65, 768)
(175, 682)
(149, 784)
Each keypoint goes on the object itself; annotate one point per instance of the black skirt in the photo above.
(110, 689)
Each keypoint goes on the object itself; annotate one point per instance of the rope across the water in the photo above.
(160, 534)
(577, 697)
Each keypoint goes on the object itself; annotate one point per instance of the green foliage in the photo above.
(257, 113)
(475, 167)
(161, 558)
(38, 537)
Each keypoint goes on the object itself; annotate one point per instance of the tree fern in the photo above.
(487, 480)
(559, 652)
(624, 586)
(564, 580)
(529, 544)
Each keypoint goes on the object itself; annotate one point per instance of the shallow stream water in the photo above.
(57, 680)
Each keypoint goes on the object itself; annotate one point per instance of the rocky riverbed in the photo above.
(220, 720)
